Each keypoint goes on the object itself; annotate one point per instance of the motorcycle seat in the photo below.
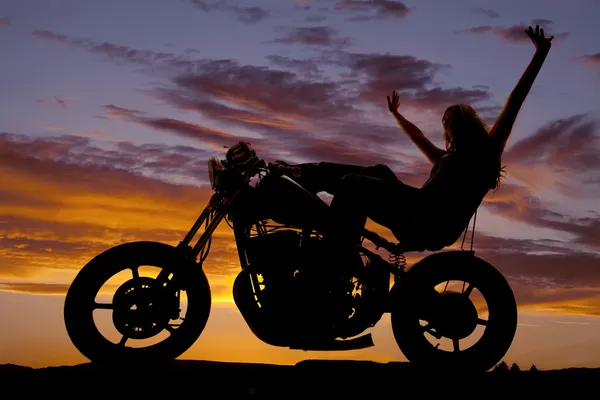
(410, 247)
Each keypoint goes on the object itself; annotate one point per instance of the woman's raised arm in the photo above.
(431, 151)
(504, 124)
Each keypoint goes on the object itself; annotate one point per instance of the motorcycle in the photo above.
(290, 291)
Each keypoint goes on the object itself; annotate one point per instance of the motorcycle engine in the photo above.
(293, 279)
(276, 258)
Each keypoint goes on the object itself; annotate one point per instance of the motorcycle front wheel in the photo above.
(142, 309)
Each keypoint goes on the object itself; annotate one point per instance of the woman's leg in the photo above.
(387, 202)
(326, 176)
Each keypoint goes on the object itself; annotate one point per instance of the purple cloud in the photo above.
(380, 9)
(592, 59)
(486, 11)
(247, 15)
(313, 36)
(513, 33)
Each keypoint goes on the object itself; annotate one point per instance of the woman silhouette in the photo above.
(435, 215)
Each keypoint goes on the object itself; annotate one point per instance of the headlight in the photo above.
(215, 166)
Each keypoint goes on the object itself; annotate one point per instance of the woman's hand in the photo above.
(394, 103)
(541, 43)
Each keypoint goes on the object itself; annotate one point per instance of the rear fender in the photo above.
(408, 282)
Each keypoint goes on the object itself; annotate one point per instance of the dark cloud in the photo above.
(235, 117)
(592, 59)
(51, 36)
(268, 90)
(550, 278)
(61, 102)
(542, 22)
(291, 110)
(186, 129)
(316, 18)
(487, 12)
(542, 271)
(532, 211)
(306, 67)
(312, 36)
(566, 271)
(302, 7)
(35, 288)
(218, 289)
(564, 152)
(119, 53)
(298, 115)
(116, 111)
(65, 200)
(247, 15)
(214, 138)
(296, 110)
(369, 78)
(175, 162)
(378, 74)
(517, 203)
(568, 143)
(514, 33)
(374, 9)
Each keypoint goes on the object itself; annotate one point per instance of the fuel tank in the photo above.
(286, 202)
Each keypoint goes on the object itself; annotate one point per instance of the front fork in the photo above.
(211, 217)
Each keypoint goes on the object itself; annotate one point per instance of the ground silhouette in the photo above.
(315, 378)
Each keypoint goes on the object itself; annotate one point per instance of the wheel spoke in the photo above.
(123, 340)
(426, 327)
(455, 344)
(483, 322)
(103, 306)
(135, 272)
(429, 329)
(163, 277)
(468, 291)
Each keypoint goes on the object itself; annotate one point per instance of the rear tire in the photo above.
(414, 301)
(80, 303)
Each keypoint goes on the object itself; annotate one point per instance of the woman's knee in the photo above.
(381, 171)
(355, 185)
(351, 181)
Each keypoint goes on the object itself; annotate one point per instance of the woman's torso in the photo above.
(456, 186)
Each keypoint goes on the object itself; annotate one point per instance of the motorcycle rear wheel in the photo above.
(80, 303)
(416, 300)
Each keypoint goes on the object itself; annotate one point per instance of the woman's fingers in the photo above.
(393, 102)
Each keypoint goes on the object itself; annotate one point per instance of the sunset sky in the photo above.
(110, 110)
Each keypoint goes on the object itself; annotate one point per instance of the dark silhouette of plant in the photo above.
(502, 367)
(515, 368)
(533, 368)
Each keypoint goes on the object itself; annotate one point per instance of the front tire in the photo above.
(142, 307)
(452, 314)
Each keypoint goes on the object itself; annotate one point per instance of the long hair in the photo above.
(471, 133)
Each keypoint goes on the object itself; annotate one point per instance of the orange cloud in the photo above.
(583, 306)
(65, 200)
(55, 216)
